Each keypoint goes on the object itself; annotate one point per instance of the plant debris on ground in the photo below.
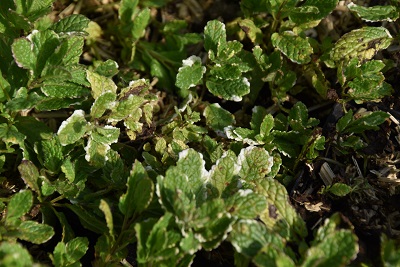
(194, 133)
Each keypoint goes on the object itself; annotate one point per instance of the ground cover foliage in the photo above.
(186, 133)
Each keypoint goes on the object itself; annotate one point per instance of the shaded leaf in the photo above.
(20, 203)
(67, 254)
(30, 174)
(14, 254)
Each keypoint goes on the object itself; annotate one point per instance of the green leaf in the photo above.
(141, 21)
(223, 173)
(33, 9)
(361, 43)
(127, 107)
(73, 181)
(214, 37)
(30, 174)
(298, 118)
(389, 252)
(106, 209)
(226, 71)
(35, 232)
(188, 176)
(369, 88)
(190, 243)
(67, 54)
(23, 55)
(248, 237)
(106, 134)
(14, 254)
(50, 153)
(72, 129)
(369, 121)
(34, 51)
(55, 103)
(228, 89)
(332, 247)
(312, 10)
(126, 10)
(139, 192)
(190, 74)
(20, 203)
(102, 103)
(99, 144)
(266, 126)
(246, 204)
(218, 118)
(73, 24)
(108, 68)
(375, 13)
(317, 143)
(33, 129)
(53, 88)
(155, 241)
(339, 189)
(9, 134)
(69, 254)
(269, 255)
(255, 163)
(280, 217)
(5, 87)
(252, 31)
(100, 84)
(294, 47)
(96, 152)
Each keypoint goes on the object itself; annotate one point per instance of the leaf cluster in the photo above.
(98, 158)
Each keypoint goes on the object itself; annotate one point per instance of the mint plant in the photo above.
(165, 153)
